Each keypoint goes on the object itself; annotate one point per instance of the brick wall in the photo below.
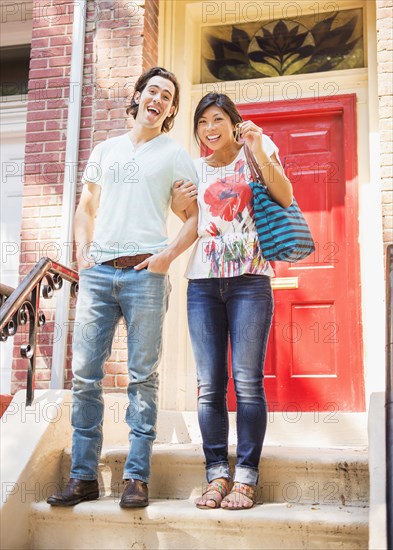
(385, 91)
(121, 41)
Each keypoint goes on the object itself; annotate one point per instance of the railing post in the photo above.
(31, 354)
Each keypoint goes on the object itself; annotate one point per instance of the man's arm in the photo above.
(159, 263)
(84, 222)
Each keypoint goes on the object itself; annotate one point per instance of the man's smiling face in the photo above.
(155, 102)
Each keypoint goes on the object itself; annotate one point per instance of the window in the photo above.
(308, 44)
(14, 75)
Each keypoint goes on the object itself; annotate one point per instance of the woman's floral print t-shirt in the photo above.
(228, 243)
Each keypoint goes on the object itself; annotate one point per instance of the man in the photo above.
(121, 222)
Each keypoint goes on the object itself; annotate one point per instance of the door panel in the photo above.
(314, 357)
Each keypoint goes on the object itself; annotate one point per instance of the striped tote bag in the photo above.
(283, 232)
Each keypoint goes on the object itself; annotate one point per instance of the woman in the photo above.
(230, 296)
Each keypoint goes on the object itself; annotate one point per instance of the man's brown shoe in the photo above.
(135, 494)
(76, 490)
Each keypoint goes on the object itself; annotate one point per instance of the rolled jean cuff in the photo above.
(246, 475)
(218, 470)
(126, 477)
(83, 477)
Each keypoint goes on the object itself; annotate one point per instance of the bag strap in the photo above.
(255, 170)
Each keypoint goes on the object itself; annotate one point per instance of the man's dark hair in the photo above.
(141, 84)
(220, 100)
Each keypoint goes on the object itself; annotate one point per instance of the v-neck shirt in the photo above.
(136, 186)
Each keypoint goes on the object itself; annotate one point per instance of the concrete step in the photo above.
(287, 474)
(178, 524)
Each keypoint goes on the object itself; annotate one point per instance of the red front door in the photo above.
(314, 357)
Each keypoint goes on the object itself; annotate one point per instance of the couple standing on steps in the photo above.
(121, 219)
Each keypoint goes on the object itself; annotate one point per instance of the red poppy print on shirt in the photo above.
(228, 197)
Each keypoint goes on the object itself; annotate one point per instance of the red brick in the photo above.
(55, 146)
(122, 380)
(131, 52)
(118, 113)
(41, 114)
(109, 381)
(20, 375)
(110, 125)
(86, 112)
(56, 104)
(52, 13)
(89, 48)
(42, 375)
(38, 63)
(60, 40)
(30, 224)
(56, 30)
(39, 43)
(34, 148)
(44, 136)
(85, 152)
(45, 73)
(52, 93)
(31, 188)
(33, 96)
(115, 133)
(121, 72)
(115, 368)
(52, 189)
(58, 82)
(105, 34)
(35, 126)
(108, 24)
(56, 124)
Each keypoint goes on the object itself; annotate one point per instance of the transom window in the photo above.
(306, 44)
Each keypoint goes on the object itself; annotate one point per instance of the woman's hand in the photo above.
(183, 195)
(280, 188)
(251, 134)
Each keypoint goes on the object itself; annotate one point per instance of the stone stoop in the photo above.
(306, 498)
(178, 525)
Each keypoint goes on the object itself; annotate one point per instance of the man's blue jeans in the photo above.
(240, 308)
(105, 295)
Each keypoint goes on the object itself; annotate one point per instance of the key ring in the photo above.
(236, 132)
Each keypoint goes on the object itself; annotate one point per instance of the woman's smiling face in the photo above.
(215, 128)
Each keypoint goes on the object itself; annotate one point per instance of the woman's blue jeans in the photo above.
(238, 309)
(105, 295)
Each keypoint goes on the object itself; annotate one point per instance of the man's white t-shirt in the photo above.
(136, 187)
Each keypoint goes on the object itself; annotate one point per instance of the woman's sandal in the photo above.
(215, 491)
(242, 497)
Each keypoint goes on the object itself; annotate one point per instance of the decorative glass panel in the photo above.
(307, 44)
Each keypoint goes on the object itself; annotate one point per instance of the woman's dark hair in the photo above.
(220, 100)
(141, 84)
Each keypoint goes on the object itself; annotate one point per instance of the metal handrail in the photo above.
(21, 306)
(389, 394)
